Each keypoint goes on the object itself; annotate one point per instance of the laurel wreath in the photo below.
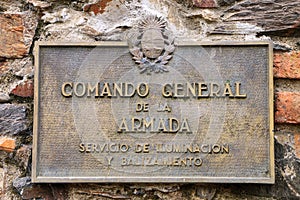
(157, 65)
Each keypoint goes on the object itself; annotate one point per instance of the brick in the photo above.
(287, 107)
(24, 89)
(11, 36)
(297, 144)
(287, 65)
(205, 3)
(7, 144)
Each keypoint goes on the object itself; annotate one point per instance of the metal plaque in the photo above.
(153, 111)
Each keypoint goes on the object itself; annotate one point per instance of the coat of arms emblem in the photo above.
(152, 45)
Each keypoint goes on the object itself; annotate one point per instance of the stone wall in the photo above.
(22, 22)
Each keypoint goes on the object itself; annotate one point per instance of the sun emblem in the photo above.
(152, 45)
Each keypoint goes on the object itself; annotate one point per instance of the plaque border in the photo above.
(158, 179)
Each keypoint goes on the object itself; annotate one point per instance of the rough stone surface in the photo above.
(277, 46)
(22, 67)
(96, 8)
(30, 23)
(205, 3)
(12, 73)
(39, 4)
(225, 2)
(3, 67)
(4, 98)
(2, 182)
(13, 119)
(20, 183)
(24, 89)
(10, 173)
(287, 107)
(10, 6)
(287, 85)
(7, 144)
(43, 191)
(287, 65)
(16, 34)
(11, 36)
(297, 144)
(266, 15)
(288, 169)
(23, 156)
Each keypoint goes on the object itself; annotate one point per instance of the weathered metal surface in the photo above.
(205, 116)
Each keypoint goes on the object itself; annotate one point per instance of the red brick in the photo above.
(11, 36)
(287, 107)
(7, 144)
(24, 89)
(205, 3)
(297, 144)
(96, 8)
(287, 65)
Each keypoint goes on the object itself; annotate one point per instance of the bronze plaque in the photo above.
(153, 111)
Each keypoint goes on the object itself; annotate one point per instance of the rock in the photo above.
(266, 15)
(205, 3)
(225, 2)
(32, 191)
(11, 37)
(7, 144)
(206, 14)
(4, 67)
(24, 89)
(281, 47)
(30, 21)
(10, 173)
(44, 191)
(23, 155)
(96, 8)
(2, 179)
(60, 16)
(206, 192)
(39, 4)
(77, 26)
(4, 98)
(13, 119)
(17, 31)
(22, 67)
(288, 167)
(236, 28)
(10, 6)
(297, 144)
(20, 183)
